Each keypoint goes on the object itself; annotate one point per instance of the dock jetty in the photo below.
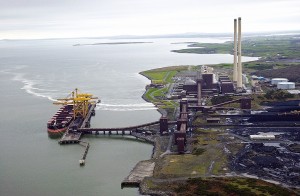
(87, 146)
(140, 171)
(73, 136)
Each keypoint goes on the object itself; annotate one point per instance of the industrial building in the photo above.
(275, 81)
(196, 84)
(226, 85)
(286, 85)
(204, 83)
(262, 137)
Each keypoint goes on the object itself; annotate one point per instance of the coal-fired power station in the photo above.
(237, 54)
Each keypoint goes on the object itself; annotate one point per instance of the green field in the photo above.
(207, 158)
(278, 48)
(163, 76)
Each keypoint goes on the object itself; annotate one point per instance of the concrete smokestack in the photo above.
(235, 53)
(199, 88)
(239, 66)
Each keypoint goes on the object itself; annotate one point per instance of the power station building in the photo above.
(226, 85)
(201, 84)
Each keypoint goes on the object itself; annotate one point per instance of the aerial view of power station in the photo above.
(124, 102)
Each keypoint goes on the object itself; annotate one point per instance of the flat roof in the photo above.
(295, 92)
(212, 118)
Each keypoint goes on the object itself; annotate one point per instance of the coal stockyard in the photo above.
(276, 159)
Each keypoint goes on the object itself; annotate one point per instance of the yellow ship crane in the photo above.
(80, 102)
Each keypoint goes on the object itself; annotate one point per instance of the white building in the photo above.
(286, 85)
(262, 137)
(275, 81)
(245, 79)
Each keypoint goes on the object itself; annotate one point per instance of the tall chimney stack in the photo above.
(239, 66)
(235, 53)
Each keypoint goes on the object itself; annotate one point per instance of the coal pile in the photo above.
(268, 162)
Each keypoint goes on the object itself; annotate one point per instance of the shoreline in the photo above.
(161, 111)
(143, 168)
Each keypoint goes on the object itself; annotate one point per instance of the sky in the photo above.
(35, 19)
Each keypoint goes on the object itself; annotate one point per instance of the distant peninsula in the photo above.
(112, 43)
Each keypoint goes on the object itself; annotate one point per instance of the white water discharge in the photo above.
(126, 107)
(29, 85)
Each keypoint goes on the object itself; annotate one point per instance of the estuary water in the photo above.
(33, 73)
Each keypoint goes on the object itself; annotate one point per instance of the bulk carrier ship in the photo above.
(72, 114)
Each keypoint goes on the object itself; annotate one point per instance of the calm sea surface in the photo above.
(35, 72)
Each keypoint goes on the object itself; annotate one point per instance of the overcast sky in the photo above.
(90, 18)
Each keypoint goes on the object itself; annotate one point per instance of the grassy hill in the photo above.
(279, 48)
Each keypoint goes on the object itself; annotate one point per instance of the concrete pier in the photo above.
(70, 138)
(82, 161)
(140, 171)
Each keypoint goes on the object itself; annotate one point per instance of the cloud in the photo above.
(44, 18)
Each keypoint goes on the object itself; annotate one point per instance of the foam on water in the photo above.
(126, 107)
(29, 85)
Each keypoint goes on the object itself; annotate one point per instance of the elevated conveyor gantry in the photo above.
(80, 101)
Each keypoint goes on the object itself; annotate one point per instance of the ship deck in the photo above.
(73, 137)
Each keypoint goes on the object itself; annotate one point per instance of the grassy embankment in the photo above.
(219, 186)
(163, 76)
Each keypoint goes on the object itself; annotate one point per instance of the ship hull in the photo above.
(56, 133)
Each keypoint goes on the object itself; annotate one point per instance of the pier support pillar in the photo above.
(180, 122)
(180, 144)
(179, 134)
(163, 122)
(182, 103)
(245, 103)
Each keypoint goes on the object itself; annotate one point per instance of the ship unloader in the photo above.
(73, 113)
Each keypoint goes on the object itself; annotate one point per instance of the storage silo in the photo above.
(286, 85)
(275, 81)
